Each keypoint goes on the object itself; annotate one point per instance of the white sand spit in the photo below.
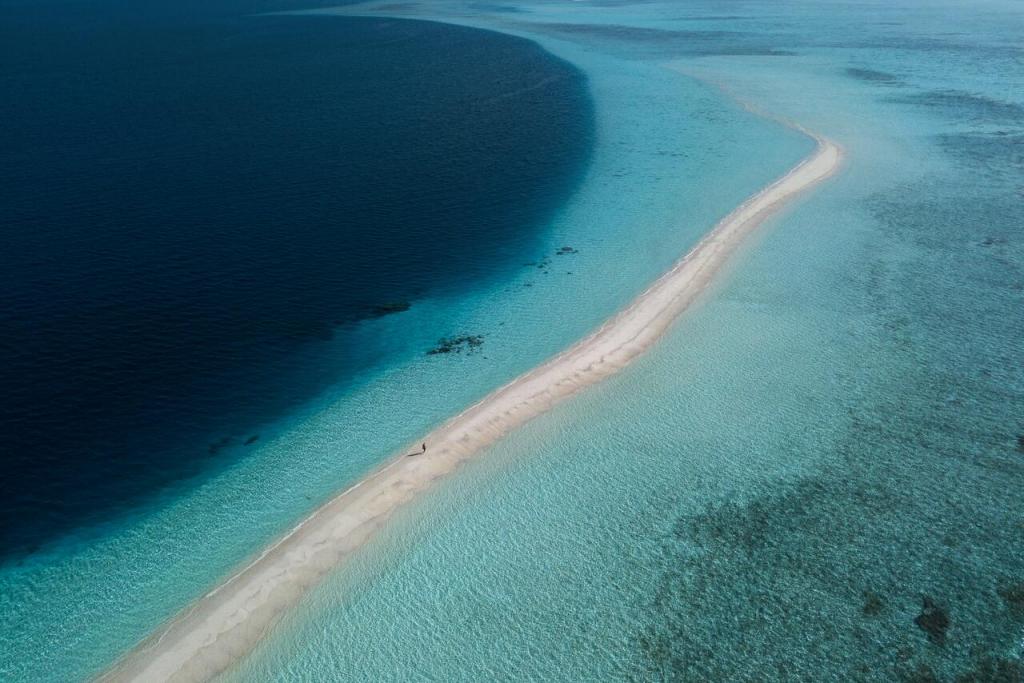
(226, 624)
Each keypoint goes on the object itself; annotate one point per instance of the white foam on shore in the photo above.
(226, 624)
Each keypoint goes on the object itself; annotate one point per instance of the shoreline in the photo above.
(224, 625)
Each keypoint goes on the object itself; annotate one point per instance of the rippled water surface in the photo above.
(818, 475)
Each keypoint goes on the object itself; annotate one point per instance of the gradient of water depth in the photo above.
(818, 475)
(202, 204)
(93, 593)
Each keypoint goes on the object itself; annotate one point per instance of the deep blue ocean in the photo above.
(194, 197)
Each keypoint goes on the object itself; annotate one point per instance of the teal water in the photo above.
(186, 222)
(818, 474)
(659, 176)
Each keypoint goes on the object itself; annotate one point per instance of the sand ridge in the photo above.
(224, 625)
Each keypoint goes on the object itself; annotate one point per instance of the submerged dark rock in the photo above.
(933, 620)
(381, 310)
(470, 343)
(566, 250)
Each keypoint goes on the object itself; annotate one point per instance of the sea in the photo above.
(253, 252)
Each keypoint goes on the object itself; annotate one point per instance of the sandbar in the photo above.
(223, 626)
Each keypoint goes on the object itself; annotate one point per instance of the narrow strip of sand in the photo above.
(226, 624)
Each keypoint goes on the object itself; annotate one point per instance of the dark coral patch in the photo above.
(381, 310)
(933, 620)
(470, 343)
(1013, 595)
(873, 604)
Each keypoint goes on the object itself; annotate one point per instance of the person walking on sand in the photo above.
(424, 447)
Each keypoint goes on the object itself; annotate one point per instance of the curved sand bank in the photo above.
(226, 624)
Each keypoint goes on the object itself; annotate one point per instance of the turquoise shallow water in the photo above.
(660, 176)
(817, 475)
(773, 493)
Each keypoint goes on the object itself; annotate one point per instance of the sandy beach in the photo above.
(226, 624)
